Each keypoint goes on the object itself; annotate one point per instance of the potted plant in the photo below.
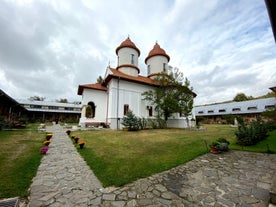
(47, 142)
(223, 146)
(68, 132)
(49, 136)
(81, 144)
(44, 149)
(214, 147)
(220, 145)
(76, 139)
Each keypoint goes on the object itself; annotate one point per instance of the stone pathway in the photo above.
(235, 178)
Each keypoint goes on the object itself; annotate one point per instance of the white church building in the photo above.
(122, 89)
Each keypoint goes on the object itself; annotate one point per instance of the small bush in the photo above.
(251, 134)
(131, 122)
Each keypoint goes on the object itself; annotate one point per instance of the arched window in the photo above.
(91, 110)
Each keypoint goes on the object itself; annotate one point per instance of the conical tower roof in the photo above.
(127, 43)
(157, 50)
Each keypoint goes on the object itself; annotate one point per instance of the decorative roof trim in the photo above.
(129, 65)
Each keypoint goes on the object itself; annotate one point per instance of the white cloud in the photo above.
(48, 48)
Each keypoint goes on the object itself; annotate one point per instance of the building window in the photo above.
(180, 114)
(236, 109)
(222, 110)
(200, 112)
(211, 111)
(269, 106)
(126, 109)
(148, 69)
(150, 110)
(91, 110)
(252, 108)
(36, 106)
(164, 67)
(53, 107)
(132, 58)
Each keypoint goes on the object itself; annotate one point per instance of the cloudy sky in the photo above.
(48, 48)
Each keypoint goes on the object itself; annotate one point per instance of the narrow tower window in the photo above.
(164, 67)
(132, 58)
(148, 69)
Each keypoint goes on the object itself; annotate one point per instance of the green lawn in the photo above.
(19, 160)
(119, 157)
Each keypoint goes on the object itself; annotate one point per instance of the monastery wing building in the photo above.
(122, 88)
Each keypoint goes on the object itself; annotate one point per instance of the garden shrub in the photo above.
(131, 121)
(251, 134)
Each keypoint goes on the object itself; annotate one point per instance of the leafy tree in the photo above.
(242, 97)
(36, 98)
(62, 100)
(131, 121)
(171, 95)
(270, 114)
(100, 80)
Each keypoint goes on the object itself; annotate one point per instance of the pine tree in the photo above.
(131, 121)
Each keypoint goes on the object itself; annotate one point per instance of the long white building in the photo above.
(122, 89)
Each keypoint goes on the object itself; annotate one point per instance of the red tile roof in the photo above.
(95, 86)
(137, 79)
(128, 43)
(157, 50)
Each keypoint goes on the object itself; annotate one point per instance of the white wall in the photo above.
(156, 63)
(100, 100)
(129, 93)
(129, 71)
(124, 55)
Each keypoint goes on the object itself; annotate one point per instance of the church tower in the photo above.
(157, 61)
(128, 54)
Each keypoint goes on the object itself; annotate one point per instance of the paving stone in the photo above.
(109, 197)
(261, 194)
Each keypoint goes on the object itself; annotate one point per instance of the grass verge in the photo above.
(19, 160)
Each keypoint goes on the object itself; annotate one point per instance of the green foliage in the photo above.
(62, 100)
(229, 118)
(100, 80)
(251, 134)
(3, 123)
(270, 114)
(242, 97)
(36, 98)
(170, 96)
(132, 122)
(221, 144)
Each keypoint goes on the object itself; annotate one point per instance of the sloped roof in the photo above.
(157, 50)
(95, 86)
(138, 79)
(8, 102)
(47, 103)
(127, 43)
